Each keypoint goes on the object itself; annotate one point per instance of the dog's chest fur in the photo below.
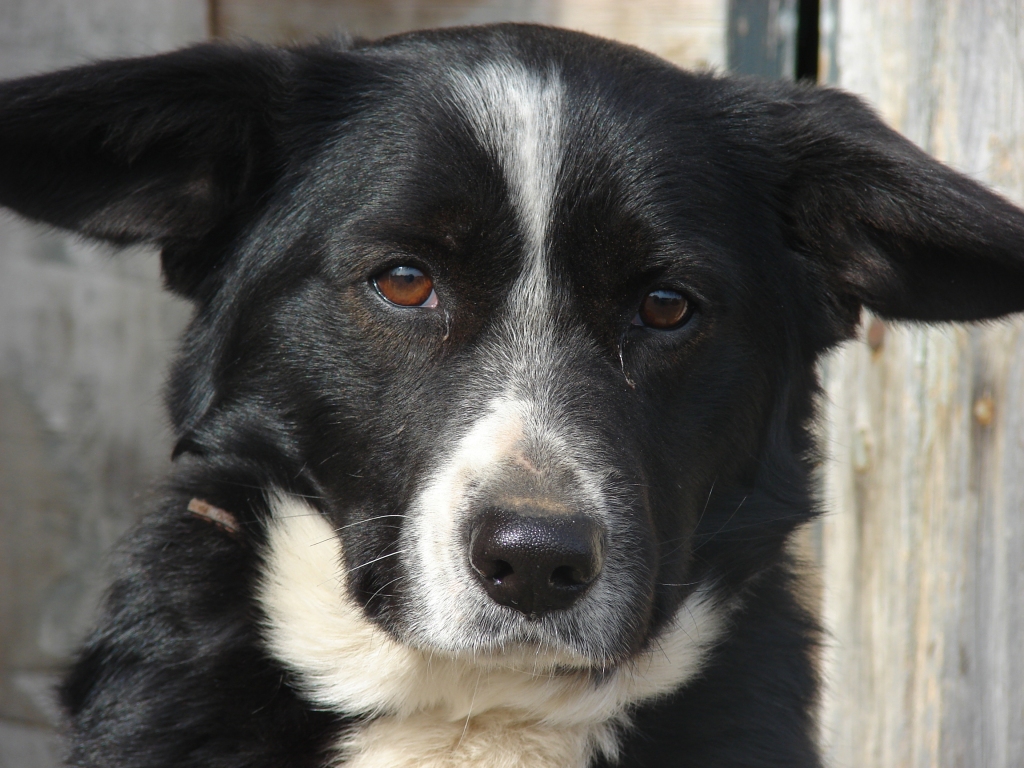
(499, 739)
(426, 709)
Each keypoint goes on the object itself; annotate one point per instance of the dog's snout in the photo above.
(535, 564)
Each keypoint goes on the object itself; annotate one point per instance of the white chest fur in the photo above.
(428, 710)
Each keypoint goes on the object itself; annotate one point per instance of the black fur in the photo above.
(278, 181)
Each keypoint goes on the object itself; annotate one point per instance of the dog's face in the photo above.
(533, 317)
(500, 338)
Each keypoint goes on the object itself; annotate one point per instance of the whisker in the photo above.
(684, 539)
(397, 578)
(342, 528)
(755, 524)
(367, 520)
(726, 523)
(661, 647)
(378, 559)
(332, 456)
(469, 712)
(708, 501)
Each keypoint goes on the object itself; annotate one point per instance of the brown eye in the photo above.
(663, 309)
(406, 287)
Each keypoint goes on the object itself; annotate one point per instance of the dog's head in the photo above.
(532, 316)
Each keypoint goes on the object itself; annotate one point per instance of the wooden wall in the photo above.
(85, 337)
(689, 32)
(924, 554)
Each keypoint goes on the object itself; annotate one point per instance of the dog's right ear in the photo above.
(170, 149)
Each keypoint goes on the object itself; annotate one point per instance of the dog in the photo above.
(494, 419)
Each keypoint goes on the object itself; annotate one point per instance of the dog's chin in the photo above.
(551, 644)
(539, 658)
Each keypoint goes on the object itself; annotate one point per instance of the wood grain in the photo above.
(688, 32)
(86, 333)
(924, 553)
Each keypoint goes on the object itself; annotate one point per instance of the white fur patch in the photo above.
(513, 710)
(517, 115)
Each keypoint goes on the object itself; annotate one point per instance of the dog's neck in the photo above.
(427, 709)
(496, 737)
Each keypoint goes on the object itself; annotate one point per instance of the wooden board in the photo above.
(86, 334)
(924, 555)
(689, 32)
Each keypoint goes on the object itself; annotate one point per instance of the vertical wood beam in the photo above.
(924, 554)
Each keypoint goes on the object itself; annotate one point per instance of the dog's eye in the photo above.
(663, 309)
(406, 287)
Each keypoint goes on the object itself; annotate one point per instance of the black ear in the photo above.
(895, 230)
(168, 149)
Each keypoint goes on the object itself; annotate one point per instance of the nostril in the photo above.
(567, 577)
(501, 570)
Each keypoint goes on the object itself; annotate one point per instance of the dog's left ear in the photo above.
(892, 228)
(166, 149)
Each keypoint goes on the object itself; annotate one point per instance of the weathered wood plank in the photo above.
(688, 32)
(85, 336)
(923, 557)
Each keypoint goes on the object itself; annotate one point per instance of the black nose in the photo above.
(535, 564)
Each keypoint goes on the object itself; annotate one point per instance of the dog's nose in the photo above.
(535, 564)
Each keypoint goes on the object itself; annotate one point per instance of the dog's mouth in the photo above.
(525, 654)
(559, 591)
(566, 590)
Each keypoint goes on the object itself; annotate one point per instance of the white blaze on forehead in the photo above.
(516, 114)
